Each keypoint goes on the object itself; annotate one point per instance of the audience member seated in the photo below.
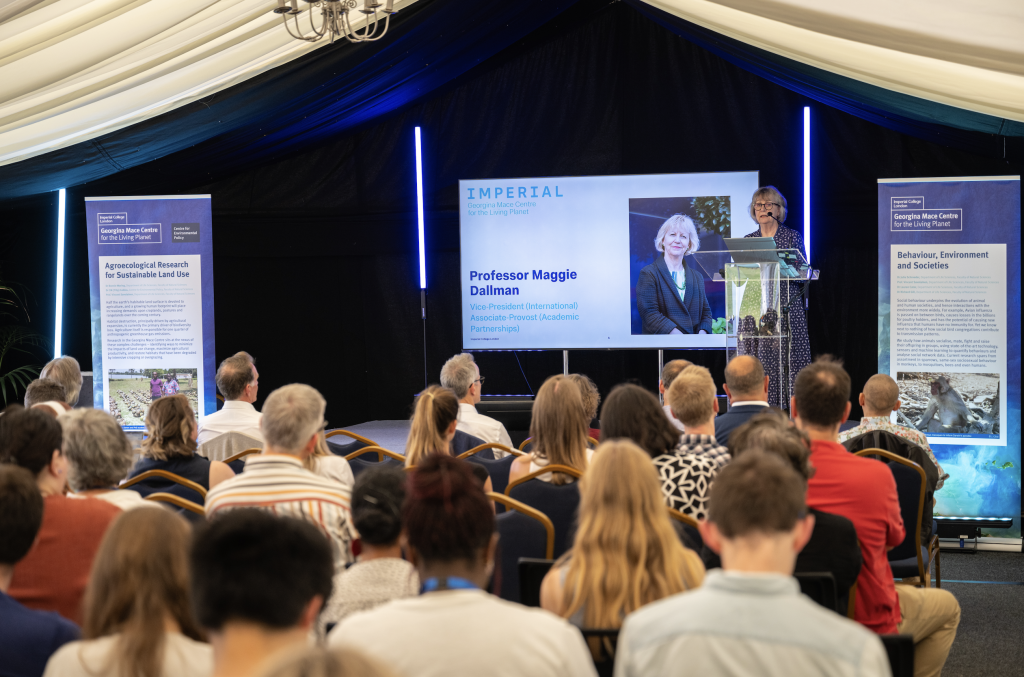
(65, 371)
(324, 463)
(293, 418)
(454, 627)
(864, 491)
(693, 401)
(626, 553)
(559, 431)
(45, 390)
(462, 376)
(434, 420)
(880, 398)
(833, 545)
(170, 445)
(138, 615)
(747, 387)
(668, 374)
(749, 619)
(99, 456)
(27, 638)
(634, 413)
(238, 381)
(53, 575)
(380, 574)
(317, 662)
(591, 400)
(258, 583)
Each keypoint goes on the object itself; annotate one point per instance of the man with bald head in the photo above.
(669, 372)
(747, 388)
(880, 398)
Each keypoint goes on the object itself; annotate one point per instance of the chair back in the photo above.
(531, 572)
(603, 644)
(526, 445)
(900, 649)
(347, 444)
(558, 501)
(489, 445)
(522, 532)
(820, 586)
(226, 445)
(359, 464)
(498, 471)
(237, 463)
(193, 512)
(154, 481)
(911, 483)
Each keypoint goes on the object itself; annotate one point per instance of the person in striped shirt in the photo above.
(276, 481)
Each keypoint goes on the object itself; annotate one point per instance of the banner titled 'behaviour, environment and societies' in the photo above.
(949, 331)
(151, 296)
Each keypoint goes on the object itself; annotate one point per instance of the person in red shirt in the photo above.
(864, 491)
(53, 575)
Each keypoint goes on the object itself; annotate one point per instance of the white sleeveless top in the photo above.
(537, 463)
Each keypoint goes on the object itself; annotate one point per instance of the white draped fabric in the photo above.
(964, 54)
(73, 70)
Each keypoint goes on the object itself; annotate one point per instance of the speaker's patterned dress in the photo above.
(798, 344)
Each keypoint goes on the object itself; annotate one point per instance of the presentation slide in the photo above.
(949, 331)
(597, 262)
(151, 291)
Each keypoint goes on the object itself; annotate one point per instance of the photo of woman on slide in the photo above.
(669, 293)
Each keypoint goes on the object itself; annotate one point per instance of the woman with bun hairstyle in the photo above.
(559, 432)
(380, 574)
(626, 553)
(138, 609)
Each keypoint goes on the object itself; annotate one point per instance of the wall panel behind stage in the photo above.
(315, 251)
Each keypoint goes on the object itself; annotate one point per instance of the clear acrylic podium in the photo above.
(761, 286)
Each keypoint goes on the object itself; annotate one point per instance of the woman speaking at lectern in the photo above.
(768, 209)
(670, 294)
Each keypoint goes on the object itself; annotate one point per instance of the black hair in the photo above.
(28, 438)
(21, 513)
(250, 565)
(377, 499)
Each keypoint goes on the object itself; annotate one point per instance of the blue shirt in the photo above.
(28, 638)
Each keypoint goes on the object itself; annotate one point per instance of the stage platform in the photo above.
(389, 434)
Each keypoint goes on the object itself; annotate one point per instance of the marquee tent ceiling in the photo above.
(80, 77)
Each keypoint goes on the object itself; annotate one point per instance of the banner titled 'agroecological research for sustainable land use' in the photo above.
(151, 296)
(949, 331)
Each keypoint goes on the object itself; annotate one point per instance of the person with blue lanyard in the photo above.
(454, 626)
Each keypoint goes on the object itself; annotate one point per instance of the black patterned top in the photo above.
(686, 479)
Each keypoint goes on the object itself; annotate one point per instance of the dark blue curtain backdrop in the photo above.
(315, 243)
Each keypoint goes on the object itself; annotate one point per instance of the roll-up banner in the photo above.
(949, 332)
(151, 297)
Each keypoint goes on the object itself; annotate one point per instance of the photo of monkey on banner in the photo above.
(950, 403)
(133, 390)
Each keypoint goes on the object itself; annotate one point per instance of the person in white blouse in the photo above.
(238, 382)
(462, 376)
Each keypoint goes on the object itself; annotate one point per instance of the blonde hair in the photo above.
(320, 450)
(682, 221)
(589, 394)
(692, 396)
(626, 553)
(319, 662)
(169, 424)
(773, 194)
(139, 576)
(66, 371)
(435, 409)
(558, 428)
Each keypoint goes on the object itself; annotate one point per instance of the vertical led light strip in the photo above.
(807, 182)
(419, 209)
(58, 318)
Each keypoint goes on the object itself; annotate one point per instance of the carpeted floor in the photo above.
(990, 640)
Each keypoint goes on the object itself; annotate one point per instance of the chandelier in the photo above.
(335, 21)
